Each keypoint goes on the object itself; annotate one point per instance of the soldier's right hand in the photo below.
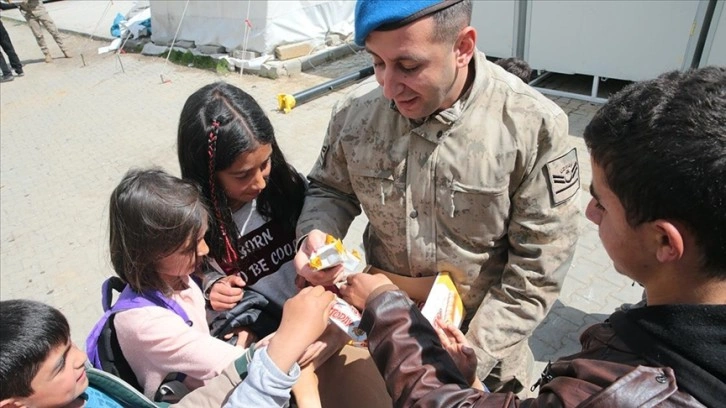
(314, 240)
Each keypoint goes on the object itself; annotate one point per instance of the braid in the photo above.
(229, 255)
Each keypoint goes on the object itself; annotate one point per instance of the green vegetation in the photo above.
(187, 58)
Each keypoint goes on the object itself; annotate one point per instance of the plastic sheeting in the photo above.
(272, 23)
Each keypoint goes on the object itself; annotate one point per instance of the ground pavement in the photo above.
(69, 132)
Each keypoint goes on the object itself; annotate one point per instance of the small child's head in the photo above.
(39, 366)
(517, 67)
(157, 226)
(227, 145)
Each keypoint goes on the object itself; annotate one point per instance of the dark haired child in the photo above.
(517, 67)
(41, 368)
(226, 144)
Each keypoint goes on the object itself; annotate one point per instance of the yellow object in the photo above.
(334, 253)
(444, 300)
(285, 102)
(316, 263)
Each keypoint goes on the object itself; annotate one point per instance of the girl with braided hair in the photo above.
(227, 145)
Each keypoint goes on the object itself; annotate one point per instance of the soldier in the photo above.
(460, 167)
(36, 15)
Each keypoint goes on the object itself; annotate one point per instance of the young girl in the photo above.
(157, 228)
(227, 145)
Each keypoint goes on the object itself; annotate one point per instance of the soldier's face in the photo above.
(627, 246)
(416, 72)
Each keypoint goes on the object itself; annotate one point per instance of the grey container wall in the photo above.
(714, 50)
(497, 26)
(629, 40)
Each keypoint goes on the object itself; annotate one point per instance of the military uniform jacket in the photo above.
(485, 189)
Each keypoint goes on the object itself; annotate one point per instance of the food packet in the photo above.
(348, 318)
(333, 253)
(343, 315)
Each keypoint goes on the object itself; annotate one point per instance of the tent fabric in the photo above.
(272, 23)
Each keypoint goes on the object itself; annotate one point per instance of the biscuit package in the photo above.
(347, 318)
(333, 253)
(444, 300)
(343, 315)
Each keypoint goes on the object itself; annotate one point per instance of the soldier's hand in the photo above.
(325, 277)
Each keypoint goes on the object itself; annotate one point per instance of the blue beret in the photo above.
(372, 15)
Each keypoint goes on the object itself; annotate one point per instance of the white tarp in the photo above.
(273, 23)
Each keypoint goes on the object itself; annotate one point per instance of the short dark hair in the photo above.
(29, 331)
(151, 215)
(517, 67)
(451, 20)
(662, 146)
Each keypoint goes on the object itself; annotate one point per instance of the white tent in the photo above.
(257, 26)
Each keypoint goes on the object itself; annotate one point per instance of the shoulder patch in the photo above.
(563, 177)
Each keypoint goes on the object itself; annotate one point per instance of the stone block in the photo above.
(290, 51)
(272, 71)
(293, 66)
(153, 49)
(244, 55)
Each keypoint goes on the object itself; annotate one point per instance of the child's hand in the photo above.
(360, 285)
(304, 318)
(458, 348)
(313, 241)
(226, 292)
(245, 337)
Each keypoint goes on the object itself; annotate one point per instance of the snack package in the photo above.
(444, 300)
(333, 253)
(434, 295)
(347, 318)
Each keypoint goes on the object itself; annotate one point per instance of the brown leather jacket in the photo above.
(420, 373)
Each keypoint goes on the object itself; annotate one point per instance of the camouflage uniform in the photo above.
(36, 15)
(486, 190)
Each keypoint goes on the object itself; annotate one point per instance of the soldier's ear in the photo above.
(465, 46)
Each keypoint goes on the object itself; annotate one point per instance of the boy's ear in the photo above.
(11, 403)
(670, 246)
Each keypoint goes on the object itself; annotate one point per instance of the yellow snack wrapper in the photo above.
(333, 253)
(444, 301)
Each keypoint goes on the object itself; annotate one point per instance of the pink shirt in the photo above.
(156, 342)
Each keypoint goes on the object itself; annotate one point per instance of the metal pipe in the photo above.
(286, 101)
